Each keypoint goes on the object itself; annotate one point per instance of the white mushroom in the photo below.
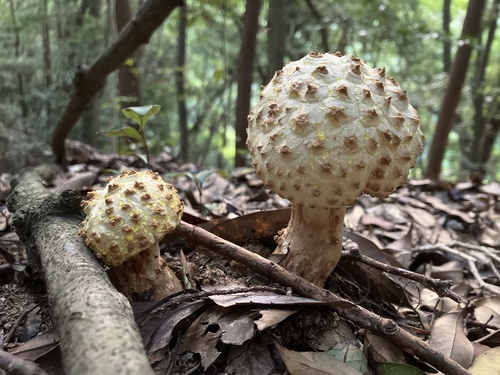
(326, 129)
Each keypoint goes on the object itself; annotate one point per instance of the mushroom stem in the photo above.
(147, 276)
(313, 241)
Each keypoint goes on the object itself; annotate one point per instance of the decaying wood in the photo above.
(360, 316)
(95, 322)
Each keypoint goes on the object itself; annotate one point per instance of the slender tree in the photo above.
(128, 80)
(319, 20)
(245, 69)
(451, 98)
(17, 54)
(277, 23)
(446, 36)
(47, 60)
(179, 82)
(482, 130)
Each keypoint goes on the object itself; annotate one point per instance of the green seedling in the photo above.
(139, 115)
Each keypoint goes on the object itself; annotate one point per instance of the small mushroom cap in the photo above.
(328, 128)
(133, 212)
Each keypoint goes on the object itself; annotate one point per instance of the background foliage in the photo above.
(43, 42)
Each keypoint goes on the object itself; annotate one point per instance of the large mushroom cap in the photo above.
(133, 212)
(328, 128)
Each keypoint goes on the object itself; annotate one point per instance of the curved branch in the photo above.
(89, 81)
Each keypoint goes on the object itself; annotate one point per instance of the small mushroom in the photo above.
(124, 224)
(351, 130)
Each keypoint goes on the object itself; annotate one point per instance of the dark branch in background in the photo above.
(453, 91)
(323, 31)
(89, 81)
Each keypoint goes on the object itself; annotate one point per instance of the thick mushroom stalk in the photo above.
(326, 129)
(124, 224)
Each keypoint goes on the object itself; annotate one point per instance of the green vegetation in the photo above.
(43, 43)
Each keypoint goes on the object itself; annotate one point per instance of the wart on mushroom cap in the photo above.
(124, 224)
(326, 129)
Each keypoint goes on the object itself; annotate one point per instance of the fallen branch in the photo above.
(363, 318)
(441, 287)
(95, 322)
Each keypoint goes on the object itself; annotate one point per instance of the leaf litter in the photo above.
(228, 322)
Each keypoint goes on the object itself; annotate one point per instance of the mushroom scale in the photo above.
(328, 128)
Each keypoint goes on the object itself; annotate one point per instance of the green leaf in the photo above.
(126, 132)
(141, 114)
(397, 369)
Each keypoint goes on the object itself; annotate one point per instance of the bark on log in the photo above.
(95, 322)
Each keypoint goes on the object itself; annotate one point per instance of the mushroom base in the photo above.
(313, 242)
(146, 276)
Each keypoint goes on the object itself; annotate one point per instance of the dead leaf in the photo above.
(448, 337)
(487, 363)
(313, 363)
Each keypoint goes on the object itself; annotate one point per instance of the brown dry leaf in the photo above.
(251, 359)
(271, 317)
(262, 298)
(487, 363)
(368, 220)
(378, 349)
(216, 325)
(313, 363)
(439, 205)
(448, 337)
(488, 311)
(158, 330)
(260, 225)
(38, 346)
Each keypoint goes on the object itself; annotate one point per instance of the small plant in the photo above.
(140, 115)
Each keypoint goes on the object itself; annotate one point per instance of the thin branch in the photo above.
(441, 287)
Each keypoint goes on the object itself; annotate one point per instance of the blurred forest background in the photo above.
(201, 67)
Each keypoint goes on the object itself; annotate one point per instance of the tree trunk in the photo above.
(128, 81)
(245, 69)
(446, 36)
(20, 80)
(453, 90)
(179, 83)
(476, 155)
(276, 36)
(47, 61)
(95, 323)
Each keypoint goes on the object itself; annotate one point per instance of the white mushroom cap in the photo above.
(328, 128)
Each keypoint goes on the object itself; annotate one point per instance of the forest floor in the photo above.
(446, 231)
